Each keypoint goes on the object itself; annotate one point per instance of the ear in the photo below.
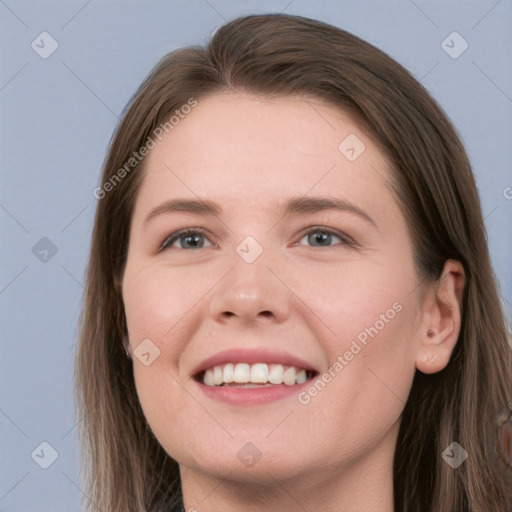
(441, 322)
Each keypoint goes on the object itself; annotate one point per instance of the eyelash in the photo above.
(179, 234)
(345, 239)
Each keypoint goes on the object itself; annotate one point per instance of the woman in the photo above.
(289, 246)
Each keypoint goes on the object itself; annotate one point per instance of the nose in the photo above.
(250, 292)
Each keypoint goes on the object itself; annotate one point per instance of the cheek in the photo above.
(156, 302)
(158, 308)
(366, 385)
(372, 319)
(161, 306)
(361, 299)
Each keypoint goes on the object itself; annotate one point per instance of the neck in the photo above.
(365, 485)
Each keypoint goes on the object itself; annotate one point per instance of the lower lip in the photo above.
(251, 396)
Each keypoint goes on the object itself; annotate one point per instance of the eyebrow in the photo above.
(304, 205)
(197, 206)
(293, 206)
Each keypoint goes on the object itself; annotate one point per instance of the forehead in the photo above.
(237, 146)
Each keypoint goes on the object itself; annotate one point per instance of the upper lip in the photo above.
(252, 356)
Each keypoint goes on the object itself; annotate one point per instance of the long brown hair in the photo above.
(278, 55)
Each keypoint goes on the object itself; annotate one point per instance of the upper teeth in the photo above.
(259, 373)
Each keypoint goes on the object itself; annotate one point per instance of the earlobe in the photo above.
(442, 320)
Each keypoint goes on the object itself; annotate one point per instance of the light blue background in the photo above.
(58, 115)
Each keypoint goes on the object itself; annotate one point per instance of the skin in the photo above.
(250, 155)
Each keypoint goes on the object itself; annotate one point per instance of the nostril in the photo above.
(266, 313)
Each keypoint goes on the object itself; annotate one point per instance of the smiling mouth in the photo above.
(253, 375)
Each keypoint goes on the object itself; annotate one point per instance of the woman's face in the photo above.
(298, 265)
